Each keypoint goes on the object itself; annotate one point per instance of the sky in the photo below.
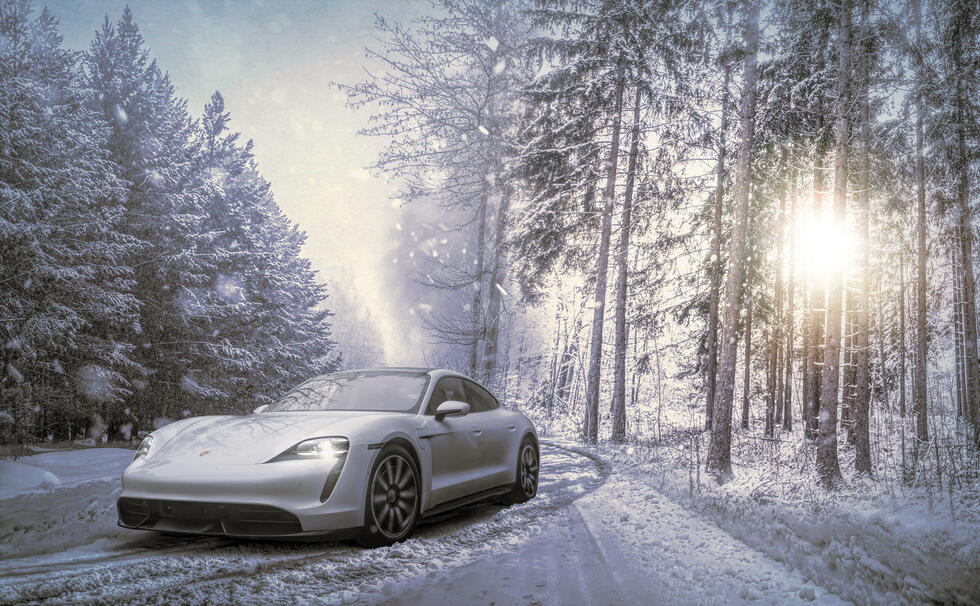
(274, 62)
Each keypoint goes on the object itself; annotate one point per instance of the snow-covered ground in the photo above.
(58, 500)
(90, 559)
(599, 532)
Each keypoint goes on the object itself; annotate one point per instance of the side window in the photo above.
(478, 398)
(448, 388)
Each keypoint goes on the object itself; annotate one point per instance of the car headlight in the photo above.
(332, 450)
(144, 448)
(316, 448)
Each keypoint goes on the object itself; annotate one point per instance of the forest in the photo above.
(147, 270)
(744, 228)
(658, 205)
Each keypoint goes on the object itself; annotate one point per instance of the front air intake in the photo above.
(234, 519)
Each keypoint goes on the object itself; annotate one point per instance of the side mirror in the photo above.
(452, 408)
(260, 409)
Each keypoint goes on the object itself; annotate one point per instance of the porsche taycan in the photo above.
(359, 454)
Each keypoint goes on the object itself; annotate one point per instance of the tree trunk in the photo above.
(969, 308)
(959, 343)
(477, 311)
(790, 309)
(719, 461)
(747, 376)
(711, 368)
(497, 277)
(817, 305)
(919, 383)
(903, 371)
(566, 374)
(595, 346)
(622, 283)
(775, 360)
(862, 394)
(827, 463)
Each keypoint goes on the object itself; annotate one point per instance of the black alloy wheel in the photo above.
(393, 497)
(528, 465)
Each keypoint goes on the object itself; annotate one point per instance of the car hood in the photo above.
(257, 438)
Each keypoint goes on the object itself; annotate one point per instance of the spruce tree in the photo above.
(67, 306)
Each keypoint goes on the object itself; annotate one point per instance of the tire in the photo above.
(393, 498)
(528, 465)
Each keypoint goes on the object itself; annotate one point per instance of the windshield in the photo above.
(385, 391)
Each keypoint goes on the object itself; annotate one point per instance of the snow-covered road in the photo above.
(594, 535)
(134, 567)
(623, 543)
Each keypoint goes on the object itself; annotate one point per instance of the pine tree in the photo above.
(719, 452)
(67, 307)
(919, 399)
(260, 290)
(827, 463)
(150, 143)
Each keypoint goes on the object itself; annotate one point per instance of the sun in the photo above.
(824, 244)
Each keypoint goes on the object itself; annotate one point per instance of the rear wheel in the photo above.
(528, 464)
(393, 498)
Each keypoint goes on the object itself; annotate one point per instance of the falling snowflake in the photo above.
(189, 385)
(95, 382)
(500, 66)
(493, 43)
(27, 283)
(121, 117)
(502, 291)
(229, 288)
(483, 129)
(154, 178)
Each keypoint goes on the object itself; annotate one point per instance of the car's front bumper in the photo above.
(267, 499)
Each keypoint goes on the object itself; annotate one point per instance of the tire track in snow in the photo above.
(253, 572)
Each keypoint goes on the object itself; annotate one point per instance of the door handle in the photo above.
(512, 427)
(477, 431)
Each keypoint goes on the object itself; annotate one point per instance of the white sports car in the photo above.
(360, 454)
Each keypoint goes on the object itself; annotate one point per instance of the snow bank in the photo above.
(857, 545)
(59, 499)
(16, 478)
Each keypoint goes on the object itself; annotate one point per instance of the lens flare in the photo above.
(824, 244)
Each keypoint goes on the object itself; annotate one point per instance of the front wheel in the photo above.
(528, 463)
(393, 499)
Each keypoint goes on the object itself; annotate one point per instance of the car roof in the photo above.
(434, 372)
(419, 369)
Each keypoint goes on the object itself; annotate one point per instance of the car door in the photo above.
(455, 443)
(498, 460)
